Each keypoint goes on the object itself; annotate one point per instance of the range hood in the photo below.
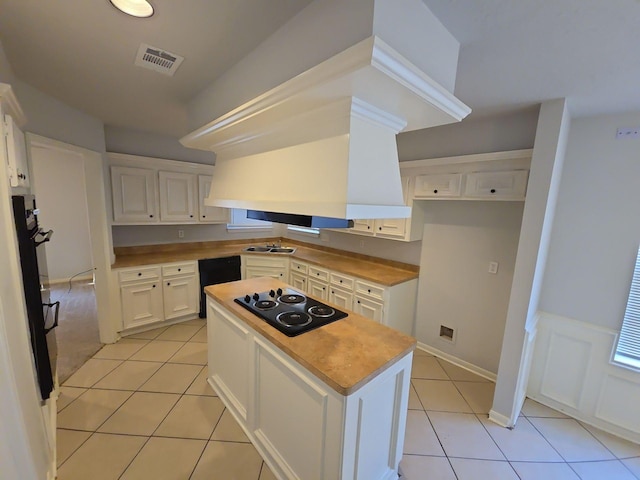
(308, 221)
(324, 142)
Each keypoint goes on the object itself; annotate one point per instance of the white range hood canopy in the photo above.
(324, 142)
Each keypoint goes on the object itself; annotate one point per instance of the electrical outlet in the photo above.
(180, 233)
(624, 132)
(493, 267)
(361, 243)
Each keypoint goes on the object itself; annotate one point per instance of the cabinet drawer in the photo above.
(299, 267)
(432, 186)
(174, 269)
(369, 289)
(319, 274)
(142, 273)
(342, 281)
(500, 185)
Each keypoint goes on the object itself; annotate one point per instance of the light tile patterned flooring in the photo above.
(141, 409)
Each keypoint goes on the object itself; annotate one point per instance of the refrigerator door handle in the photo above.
(46, 235)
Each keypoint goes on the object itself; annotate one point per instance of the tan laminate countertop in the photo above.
(345, 354)
(376, 270)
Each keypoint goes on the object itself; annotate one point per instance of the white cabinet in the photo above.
(438, 185)
(393, 306)
(265, 266)
(180, 289)
(207, 214)
(505, 185)
(16, 154)
(134, 194)
(304, 428)
(141, 296)
(152, 294)
(178, 198)
(366, 226)
(155, 190)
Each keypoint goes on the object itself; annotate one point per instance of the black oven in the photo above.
(41, 313)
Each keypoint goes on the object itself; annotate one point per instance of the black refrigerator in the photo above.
(42, 315)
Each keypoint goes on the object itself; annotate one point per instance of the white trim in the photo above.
(473, 158)
(10, 104)
(500, 419)
(458, 362)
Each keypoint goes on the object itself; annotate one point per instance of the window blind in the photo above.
(628, 348)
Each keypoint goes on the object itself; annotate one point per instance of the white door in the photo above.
(206, 213)
(134, 195)
(180, 296)
(317, 289)
(177, 197)
(141, 303)
(341, 298)
(368, 308)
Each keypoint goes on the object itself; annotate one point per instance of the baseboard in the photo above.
(458, 362)
(84, 278)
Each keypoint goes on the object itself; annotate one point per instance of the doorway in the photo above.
(69, 189)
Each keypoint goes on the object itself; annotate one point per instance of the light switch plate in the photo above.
(493, 267)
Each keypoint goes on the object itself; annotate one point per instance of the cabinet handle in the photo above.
(168, 284)
(179, 269)
(368, 227)
(340, 281)
(153, 286)
(358, 301)
(150, 216)
(204, 216)
(190, 216)
(435, 191)
(139, 274)
(379, 228)
(493, 190)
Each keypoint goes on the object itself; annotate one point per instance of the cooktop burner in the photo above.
(290, 311)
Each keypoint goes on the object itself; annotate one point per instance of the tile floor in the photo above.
(141, 409)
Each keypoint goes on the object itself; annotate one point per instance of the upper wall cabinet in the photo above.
(486, 176)
(16, 154)
(178, 197)
(134, 194)
(151, 190)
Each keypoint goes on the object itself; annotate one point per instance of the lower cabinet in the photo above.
(264, 266)
(302, 427)
(393, 306)
(155, 293)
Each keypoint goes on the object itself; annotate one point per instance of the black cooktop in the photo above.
(290, 311)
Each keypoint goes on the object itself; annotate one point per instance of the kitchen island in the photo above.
(329, 403)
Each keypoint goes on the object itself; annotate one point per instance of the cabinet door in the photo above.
(134, 195)
(435, 186)
(509, 185)
(298, 281)
(180, 296)
(362, 226)
(317, 289)
(177, 197)
(391, 227)
(141, 303)
(341, 298)
(368, 308)
(206, 213)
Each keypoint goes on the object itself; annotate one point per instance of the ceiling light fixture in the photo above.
(135, 8)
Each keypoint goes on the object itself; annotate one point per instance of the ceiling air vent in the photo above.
(157, 59)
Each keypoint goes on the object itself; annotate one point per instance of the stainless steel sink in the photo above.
(270, 249)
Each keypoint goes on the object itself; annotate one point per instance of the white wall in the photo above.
(596, 231)
(498, 133)
(593, 248)
(460, 239)
(59, 186)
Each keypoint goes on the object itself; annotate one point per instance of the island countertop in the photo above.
(345, 354)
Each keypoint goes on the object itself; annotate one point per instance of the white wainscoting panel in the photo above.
(572, 372)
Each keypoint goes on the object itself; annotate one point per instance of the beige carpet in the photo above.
(77, 332)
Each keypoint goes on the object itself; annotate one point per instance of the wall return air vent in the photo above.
(157, 59)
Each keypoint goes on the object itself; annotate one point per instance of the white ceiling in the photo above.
(514, 53)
